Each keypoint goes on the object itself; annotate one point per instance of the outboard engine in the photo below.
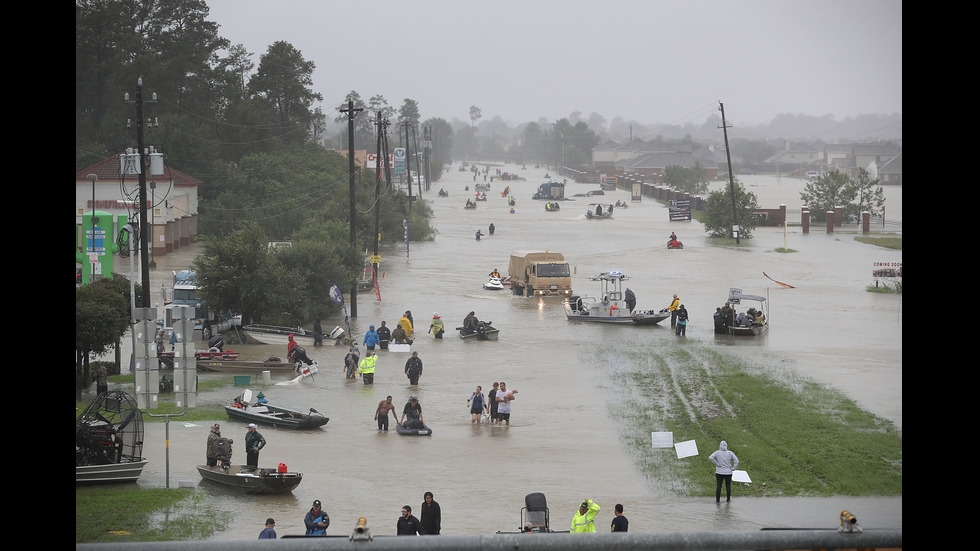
(224, 446)
(481, 331)
(575, 303)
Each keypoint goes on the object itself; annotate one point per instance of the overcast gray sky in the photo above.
(652, 61)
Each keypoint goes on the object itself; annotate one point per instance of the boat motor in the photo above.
(224, 449)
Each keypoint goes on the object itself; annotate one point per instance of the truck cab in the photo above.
(539, 273)
(550, 191)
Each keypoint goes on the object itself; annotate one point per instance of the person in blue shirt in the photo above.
(269, 533)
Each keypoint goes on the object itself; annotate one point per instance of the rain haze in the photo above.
(649, 61)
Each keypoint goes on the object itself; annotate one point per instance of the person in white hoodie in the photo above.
(725, 461)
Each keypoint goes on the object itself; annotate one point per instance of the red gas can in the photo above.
(282, 468)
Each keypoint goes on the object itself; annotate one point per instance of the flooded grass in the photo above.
(793, 437)
(120, 514)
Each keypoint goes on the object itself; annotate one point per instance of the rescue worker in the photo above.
(437, 327)
(674, 305)
(584, 520)
(495, 273)
(366, 368)
(212, 449)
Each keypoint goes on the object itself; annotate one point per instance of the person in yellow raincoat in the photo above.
(584, 520)
(406, 324)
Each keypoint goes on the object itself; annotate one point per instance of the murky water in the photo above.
(562, 440)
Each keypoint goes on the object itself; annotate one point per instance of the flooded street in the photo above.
(563, 440)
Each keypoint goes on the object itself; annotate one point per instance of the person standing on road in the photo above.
(407, 524)
(413, 368)
(584, 520)
(430, 515)
(725, 462)
(101, 379)
(619, 522)
(366, 368)
(478, 405)
(253, 443)
(384, 336)
(504, 397)
(674, 304)
(494, 406)
(381, 414)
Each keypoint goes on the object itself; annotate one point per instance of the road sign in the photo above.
(401, 156)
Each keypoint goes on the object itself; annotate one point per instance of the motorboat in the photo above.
(262, 412)
(279, 335)
(599, 211)
(494, 284)
(109, 440)
(753, 322)
(484, 332)
(612, 305)
(470, 204)
(674, 244)
(167, 358)
(252, 480)
(272, 364)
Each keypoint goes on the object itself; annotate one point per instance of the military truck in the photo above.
(550, 191)
(539, 273)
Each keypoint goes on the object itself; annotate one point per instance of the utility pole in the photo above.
(144, 225)
(731, 177)
(408, 164)
(351, 112)
(382, 159)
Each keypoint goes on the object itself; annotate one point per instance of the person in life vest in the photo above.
(584, 520)
(674, 305)
(366, 369)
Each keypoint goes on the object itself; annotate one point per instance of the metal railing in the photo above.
(668, 541)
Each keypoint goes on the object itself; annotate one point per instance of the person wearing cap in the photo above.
(384, 336)
(437, 327)
(492, 399)
(413, 368)
(316, 520)
(212, 449)
(406, 323)
(584, 520)
(269, 533)
(371, 338)
(674, 305)
(413, 409)
(253, 443)
(366, 367)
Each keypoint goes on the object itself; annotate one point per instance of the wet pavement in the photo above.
(563, 441)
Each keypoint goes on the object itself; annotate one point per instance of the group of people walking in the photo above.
(495, 405)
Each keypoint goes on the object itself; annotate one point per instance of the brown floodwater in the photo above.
(563, 440)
